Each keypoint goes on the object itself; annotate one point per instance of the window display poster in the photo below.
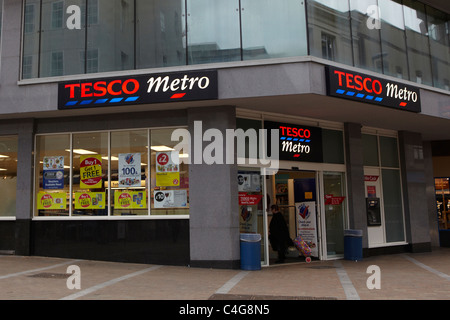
(170, 198)
(129, 170)
(53, 175)
(249, 206)
(90, 200)
(130, 199)
(90, 171)
(306, 224)
(167, 169)
(51, 201)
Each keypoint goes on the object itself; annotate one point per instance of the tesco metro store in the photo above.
(160, 131)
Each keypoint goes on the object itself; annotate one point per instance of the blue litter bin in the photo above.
(250, 251)
(353, 245)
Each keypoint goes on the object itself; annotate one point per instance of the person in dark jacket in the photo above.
(279, 234)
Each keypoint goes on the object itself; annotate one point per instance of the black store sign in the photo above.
(364, 88)
(297, 142)
(140, 89)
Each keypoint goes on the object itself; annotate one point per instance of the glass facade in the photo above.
(404, 39)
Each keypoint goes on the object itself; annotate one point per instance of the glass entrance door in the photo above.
(334, 212)
(295, 194)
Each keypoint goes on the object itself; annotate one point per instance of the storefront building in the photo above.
(159, 131)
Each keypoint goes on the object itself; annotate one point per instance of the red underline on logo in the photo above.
(178, 95)
(296, 155)
(403, 104)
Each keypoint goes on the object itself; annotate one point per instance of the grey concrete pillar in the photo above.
(213, 195)
(412, 166)
(24, 205)
(355, 179)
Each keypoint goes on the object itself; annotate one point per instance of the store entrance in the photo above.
(295, 194)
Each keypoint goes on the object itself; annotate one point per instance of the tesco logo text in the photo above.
(359, 83)
(101, 88)
(295, 132)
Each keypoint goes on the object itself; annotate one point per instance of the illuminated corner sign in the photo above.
(364, 88)
(139, 89)
(297, 142)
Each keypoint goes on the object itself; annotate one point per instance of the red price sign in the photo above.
(162, 159)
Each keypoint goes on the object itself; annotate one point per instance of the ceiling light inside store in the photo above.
(1, 169)
(3, 156)
(81, 151)
(161, 148)
(113, 158)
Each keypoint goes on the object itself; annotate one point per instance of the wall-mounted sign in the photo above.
(139, 89)
(364, 88)
(297, 142)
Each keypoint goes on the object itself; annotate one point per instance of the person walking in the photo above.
(279, 234)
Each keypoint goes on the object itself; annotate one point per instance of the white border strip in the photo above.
(424, 266)
(346, 283)
(108, 283)
(232, 282)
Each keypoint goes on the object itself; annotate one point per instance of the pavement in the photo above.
(419, 276)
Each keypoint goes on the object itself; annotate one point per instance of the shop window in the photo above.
(129, 172)
(383, 187)
(333, 146)
(389, 152)
(90, 174)
(8, 176)
(110, 174)
(370, 150)
(52, 175)
(443, 202)
(169, 180)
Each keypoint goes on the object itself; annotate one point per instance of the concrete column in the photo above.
(24, 205)
(213, 195)
(412, 166)
(355, 179)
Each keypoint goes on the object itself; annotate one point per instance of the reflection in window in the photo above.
(366, 41)
(329, 30)
(273, 29)
(113, 36)
(439, 29)
(8, 176)
(393, 43)
(59, 46)
(161, 33)
(417, 42)
(213, 31)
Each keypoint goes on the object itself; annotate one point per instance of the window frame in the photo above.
(108, 189)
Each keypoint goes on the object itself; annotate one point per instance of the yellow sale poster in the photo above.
(51, 201)
(130, 200)
(90, 200)
(90, 171)
(168, 179)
